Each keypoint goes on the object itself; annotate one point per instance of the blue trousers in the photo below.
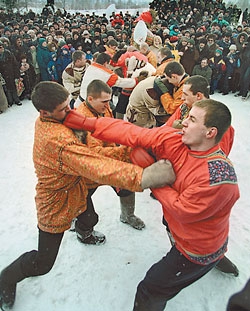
(165, 279)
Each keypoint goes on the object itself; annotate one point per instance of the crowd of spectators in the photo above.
(38, 46)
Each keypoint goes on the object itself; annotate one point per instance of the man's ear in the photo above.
(44, 113)
(199, 96)
(89, 99)
(212, 132)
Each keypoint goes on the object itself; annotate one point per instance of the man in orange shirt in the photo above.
(63, 167)
(95, 106)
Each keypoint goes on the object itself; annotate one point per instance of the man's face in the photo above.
(173, 79)
(159, 57)
(194, 131)
(204, 63)
(60, 112)
(101, 103)
(187, 95)
(81, 62)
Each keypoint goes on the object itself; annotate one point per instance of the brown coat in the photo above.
(62, 165)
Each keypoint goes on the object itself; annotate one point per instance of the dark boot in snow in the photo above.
(89, 236)
(9, 278)
(226, 266)
(127, 212)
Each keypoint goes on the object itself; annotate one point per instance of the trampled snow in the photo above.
(104, 278)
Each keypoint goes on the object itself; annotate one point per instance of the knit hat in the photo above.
(219, 51)
(65, 47)
(233, 47)
(173, 39)
(191, 41)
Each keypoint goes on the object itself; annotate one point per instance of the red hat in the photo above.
(173, 39)
(65, 46)
(146, 17)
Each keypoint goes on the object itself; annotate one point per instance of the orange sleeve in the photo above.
(112, 80)
(169, 103)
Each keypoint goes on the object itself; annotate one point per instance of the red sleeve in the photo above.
(227, 140)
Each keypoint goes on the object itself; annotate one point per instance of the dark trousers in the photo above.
(165, 279)
(40, 262)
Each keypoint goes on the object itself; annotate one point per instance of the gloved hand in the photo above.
(158, 175)
(77, 121)
(131, 64)
(141, 157)
(160, 87)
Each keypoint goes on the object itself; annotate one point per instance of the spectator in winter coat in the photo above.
(64, 165)
(212, 45)
(232, 63)
(28, 75)
(43, 58)
(33, 52)
(52, 70)
(173, 46)
(9, 69)
(225, 43)
(3, 98)
(63, 60)
(188, 54)
(19, 49)
(203, 70)
(245, 71)
(118, 20)
(218, 67)
(202, 49)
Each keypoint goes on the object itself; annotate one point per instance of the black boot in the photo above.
(226, 266)
(9, 278)
(89, 236)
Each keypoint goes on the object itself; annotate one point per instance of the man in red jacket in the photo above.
(197, 88)
(196, 207)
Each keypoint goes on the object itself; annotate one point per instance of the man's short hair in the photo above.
(103, 58)
(166, 52)
(47, 95)
(217, 115)
(77, 55)
(174, 68)
(198, 84)
(96, 87)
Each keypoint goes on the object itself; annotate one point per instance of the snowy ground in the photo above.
(104, 278)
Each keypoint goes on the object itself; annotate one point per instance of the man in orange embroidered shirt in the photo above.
(63, 165)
